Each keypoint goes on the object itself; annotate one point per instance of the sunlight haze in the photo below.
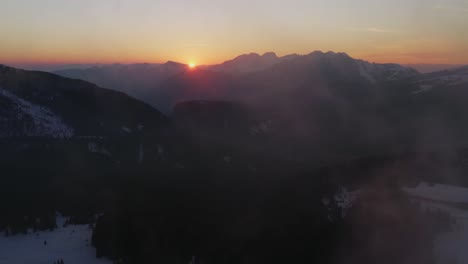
(209, 31)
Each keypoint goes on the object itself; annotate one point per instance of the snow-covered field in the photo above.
(72, 244)
(450, 247)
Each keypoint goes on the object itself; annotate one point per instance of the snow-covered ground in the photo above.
(450, 247)
(439, 192)
(72, 244)
(46, 122)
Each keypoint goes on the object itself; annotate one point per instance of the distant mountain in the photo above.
(427, 68)
(253, 62)
(163, 85)
(52, 67)
(248, 63)
(447, 78)
(385, 72)
(140, 81)
(331, 106)
(321, 105)
(285, 76)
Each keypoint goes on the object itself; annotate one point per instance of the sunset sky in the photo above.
(211, 31)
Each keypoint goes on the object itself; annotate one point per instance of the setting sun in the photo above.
(192, 65)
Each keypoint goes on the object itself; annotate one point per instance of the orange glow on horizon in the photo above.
(209, 58)
(209, 32)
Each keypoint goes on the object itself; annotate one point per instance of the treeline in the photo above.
(214, 204)
(276, 217)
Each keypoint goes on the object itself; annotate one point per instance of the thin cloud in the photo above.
(374, 30)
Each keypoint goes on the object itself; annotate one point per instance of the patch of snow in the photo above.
(71, 243)
(454, 79)
(46, 122)
(364, 71)
(423, 88)
(439, 192)
(450, 79)
(92, 147)
(387, 72)
(126, 129)
(345, 199)
(95, 148)
(261, 128)
(449, 247)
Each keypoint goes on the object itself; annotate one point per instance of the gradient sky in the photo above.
(211, 31)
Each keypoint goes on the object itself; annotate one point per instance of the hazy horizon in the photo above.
(209, 32)
(422, 67)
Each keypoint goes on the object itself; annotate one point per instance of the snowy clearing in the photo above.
(46, 122)
(439, 192)
(71, 243)
(449, 247)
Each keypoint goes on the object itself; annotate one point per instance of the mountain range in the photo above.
(241, 161)
(323, 104)
(162, 85)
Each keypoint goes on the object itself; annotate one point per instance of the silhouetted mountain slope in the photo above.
(227, 115)
(67, 145)
(194, 85)
(325, 105)
(432, 107)
(140, 81)
(57, 106)
(248, 63)
(318, 105)
(329, 106)
(220, 123)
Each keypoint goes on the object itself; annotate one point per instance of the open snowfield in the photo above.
(439, 192)
(450, 247)
(71, 243)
